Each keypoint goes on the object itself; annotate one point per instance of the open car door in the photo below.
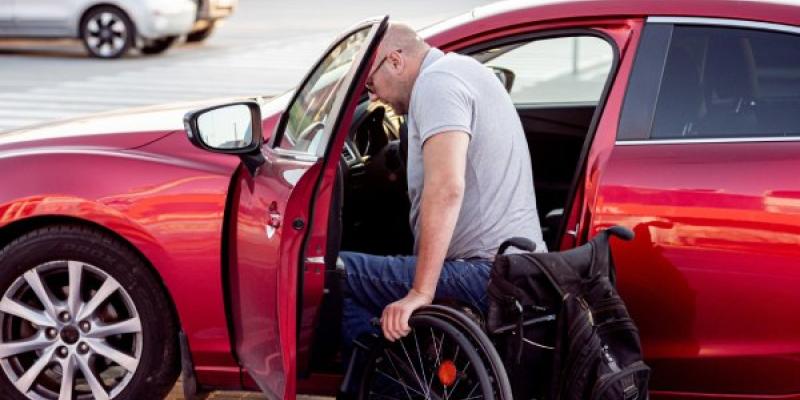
(270, 210)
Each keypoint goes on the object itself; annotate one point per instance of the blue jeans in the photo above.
(373, 282)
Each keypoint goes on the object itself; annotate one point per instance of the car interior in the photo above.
(373, 206)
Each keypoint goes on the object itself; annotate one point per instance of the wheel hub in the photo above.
(70, 335)
(42, 363)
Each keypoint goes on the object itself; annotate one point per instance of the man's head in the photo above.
(396, 66)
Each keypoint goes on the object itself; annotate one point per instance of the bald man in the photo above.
(470, 183)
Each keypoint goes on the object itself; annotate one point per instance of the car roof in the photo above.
(515, 12)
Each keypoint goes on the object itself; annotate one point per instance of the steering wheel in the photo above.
(307, 135)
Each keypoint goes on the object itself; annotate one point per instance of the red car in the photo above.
(128, 254)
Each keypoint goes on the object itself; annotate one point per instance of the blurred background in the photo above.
(263, 48)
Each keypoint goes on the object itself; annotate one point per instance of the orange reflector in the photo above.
(447, 373)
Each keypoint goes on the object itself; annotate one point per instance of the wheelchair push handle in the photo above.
(518, 242)
(620, 232)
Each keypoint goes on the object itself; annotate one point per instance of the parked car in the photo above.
(108, 29)
(128, 253)
(209, 15)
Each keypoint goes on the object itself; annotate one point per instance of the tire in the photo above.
(107, 32)
(130, 341)
(202, 34)
(426, 354)
(158, 46)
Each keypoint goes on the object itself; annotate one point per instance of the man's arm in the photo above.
(444, 157)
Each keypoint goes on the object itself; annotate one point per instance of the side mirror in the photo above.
(505, 75)
(233, 128)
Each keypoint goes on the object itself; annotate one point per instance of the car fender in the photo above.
(171, 211)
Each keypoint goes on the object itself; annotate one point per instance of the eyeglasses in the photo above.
(368, 84)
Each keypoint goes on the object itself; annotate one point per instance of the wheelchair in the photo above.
(450, 354)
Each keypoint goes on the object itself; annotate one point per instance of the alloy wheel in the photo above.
(106, 34)
(68, 330)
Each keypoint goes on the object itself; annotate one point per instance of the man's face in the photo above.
(384, 81)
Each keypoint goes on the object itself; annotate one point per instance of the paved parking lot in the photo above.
(265, 48)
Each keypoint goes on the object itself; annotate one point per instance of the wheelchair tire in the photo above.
(446, 356)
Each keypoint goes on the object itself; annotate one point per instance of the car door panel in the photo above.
(270, 215)
(45, 17)
(711, 276)
(712, 272)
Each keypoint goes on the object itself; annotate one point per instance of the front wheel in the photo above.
(106, 32)
(157, 46)
(81, 317)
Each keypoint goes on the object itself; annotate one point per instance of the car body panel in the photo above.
(722, 247)
(151, 210)
(177, 187)
(483, 20)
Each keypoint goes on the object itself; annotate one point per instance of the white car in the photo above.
(107, 28)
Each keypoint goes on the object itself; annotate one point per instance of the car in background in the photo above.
(107, 29)
(209, 13)
(128, 254)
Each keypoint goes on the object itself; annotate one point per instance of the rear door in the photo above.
(44, 17)
(270, 213)
(705, 172)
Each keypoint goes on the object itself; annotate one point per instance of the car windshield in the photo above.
(310, 111)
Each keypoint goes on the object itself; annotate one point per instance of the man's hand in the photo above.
(394, 320)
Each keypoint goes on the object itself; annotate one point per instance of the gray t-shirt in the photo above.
(456, 93)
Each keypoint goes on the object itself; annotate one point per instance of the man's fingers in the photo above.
(389, 329)
(385, 323)
(403, 327)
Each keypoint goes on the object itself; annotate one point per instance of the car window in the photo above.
(727, 83)
(305, 127)
(554, 70)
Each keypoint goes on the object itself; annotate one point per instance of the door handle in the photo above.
(274, 216)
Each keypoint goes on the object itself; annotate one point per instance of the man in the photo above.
(470, 183)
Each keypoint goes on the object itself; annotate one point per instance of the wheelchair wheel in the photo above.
(446, 356)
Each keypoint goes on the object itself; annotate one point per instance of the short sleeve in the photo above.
(442, 103)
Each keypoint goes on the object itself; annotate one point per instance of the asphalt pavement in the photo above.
(265, 48)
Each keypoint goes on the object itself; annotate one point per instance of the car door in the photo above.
(44, 17)
(270, 210)
(704, 171)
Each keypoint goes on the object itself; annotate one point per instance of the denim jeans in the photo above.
(373, 282)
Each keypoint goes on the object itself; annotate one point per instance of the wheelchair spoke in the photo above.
(455, 357)
(421, 366)
(458, 380)
(469, 396)
(406, 388)
(438, 360)
(411, 365)
(396, 371)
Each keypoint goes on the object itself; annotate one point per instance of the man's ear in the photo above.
(396, 61)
